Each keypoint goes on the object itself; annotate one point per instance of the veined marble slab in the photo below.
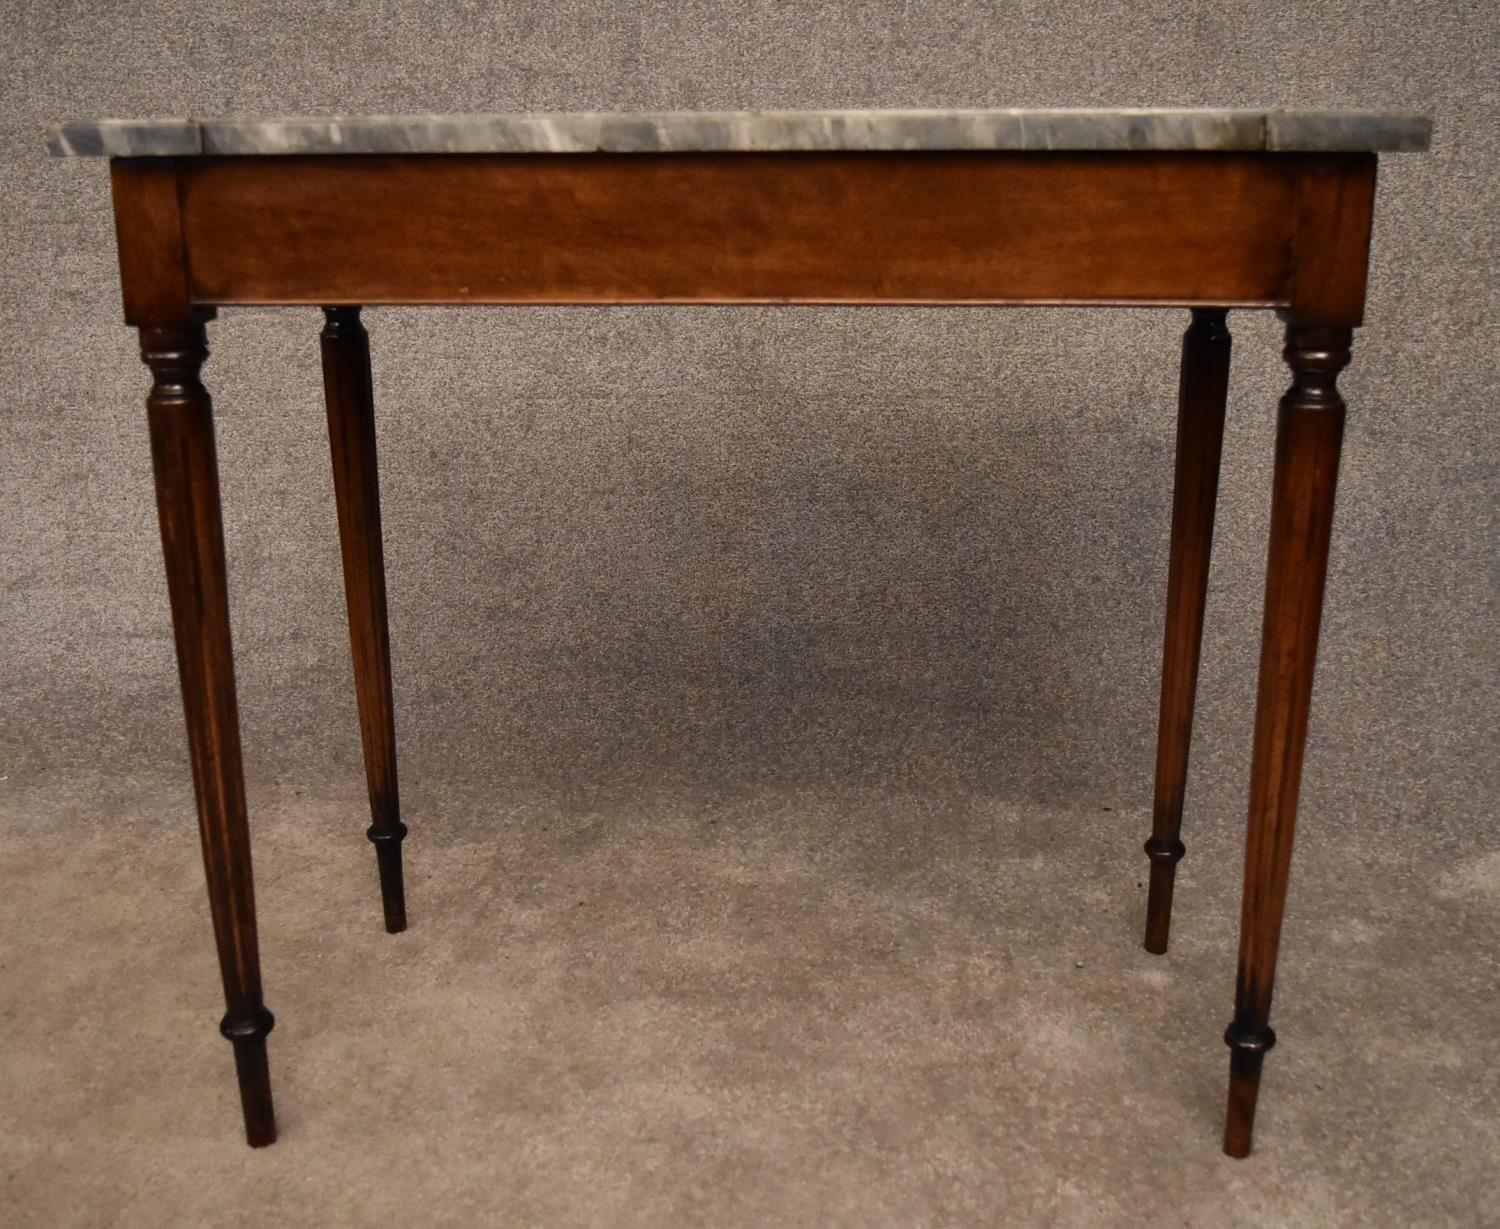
(749, 131)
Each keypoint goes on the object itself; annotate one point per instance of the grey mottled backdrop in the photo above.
(683, 557)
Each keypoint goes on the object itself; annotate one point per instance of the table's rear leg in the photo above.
(187, 498)
(1309, 435)
(1202, 391)
(351, 436)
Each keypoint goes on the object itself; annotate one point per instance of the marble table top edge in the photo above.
(1018, 129)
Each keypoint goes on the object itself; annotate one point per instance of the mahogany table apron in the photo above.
(1241, 225)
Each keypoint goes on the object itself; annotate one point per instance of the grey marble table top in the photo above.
(750, 131)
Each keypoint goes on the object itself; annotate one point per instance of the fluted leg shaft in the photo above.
(187, 498)
(351, 437)
(1310, 429)
(1202, 391)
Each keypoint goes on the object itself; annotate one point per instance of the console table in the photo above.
(1206, 209)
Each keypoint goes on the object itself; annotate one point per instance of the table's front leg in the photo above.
(1309, 435)
(187, 498)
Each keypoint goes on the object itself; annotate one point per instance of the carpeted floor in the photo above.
(776, 688)
(783, 1007)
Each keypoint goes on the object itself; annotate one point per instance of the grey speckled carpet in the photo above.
(776, 688)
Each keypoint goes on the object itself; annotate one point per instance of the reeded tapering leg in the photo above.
(1309, 434)
(1202, 391)
(187, 499)
(351, 435)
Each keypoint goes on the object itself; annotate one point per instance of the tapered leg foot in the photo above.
(1309, 436)
(1202, 391)
(1247, 1053)
(351, 436)
(1164, 857)
(387, 842)
(187, 497)
(248, 1036)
